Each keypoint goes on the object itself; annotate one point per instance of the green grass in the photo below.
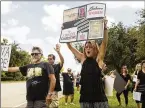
(113, 103)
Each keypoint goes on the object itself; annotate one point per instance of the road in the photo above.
(13, 95)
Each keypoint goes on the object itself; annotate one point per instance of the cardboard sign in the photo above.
(119, 83)
(85, 21)
(5, 57)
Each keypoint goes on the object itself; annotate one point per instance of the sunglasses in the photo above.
(36, 54)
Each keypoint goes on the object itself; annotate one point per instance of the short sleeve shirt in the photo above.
(141, 77)
(37, 80)
(126, 78)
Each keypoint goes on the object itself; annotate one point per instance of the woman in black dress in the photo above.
(92, 93)
(68, 85)
(78, 81)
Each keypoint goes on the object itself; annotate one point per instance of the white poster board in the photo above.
(5, 56)
(134, 78)
(95, 10)
(83, 23)
(109, 84)
(137, 96)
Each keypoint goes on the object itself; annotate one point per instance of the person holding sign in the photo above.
(40, 80)
(140, 84)
(124, 74)
(137, 69)
(92, 91)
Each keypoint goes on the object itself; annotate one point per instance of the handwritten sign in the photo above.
(5, 56)
(85, 22)
(69, 34)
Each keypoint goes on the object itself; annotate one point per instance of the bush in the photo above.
(7, 79)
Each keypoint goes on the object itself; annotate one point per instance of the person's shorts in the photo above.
(55, 101)
(36, 104)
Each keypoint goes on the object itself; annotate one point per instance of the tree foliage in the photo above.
(18, 57)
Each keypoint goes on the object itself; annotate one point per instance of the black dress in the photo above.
(92, 90)
(68, 87)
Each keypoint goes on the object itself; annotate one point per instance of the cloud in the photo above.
(118, 4)
(5, 7)
(3, 24)
(110, 20)
(69, 58)
(18, 33)
(8, 6)
(54, 17)
(10, 23)
(13, 22)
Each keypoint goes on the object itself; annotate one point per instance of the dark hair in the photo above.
(53, 56)
(123, 65)
(126, 68)
(142, 63)
(37, 48)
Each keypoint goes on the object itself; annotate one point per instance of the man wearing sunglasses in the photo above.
(40, 80)
(57, 69)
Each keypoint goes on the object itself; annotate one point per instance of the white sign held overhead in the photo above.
(83, 23)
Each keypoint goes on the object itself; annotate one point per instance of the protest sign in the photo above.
(137, 96)
(5, 57)
(109, 83)
(83, 23)
(134, 78)
(119, 83)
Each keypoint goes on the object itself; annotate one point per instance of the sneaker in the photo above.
(65, 103)
(72, 103)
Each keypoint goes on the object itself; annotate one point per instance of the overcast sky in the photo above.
(38, 23)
